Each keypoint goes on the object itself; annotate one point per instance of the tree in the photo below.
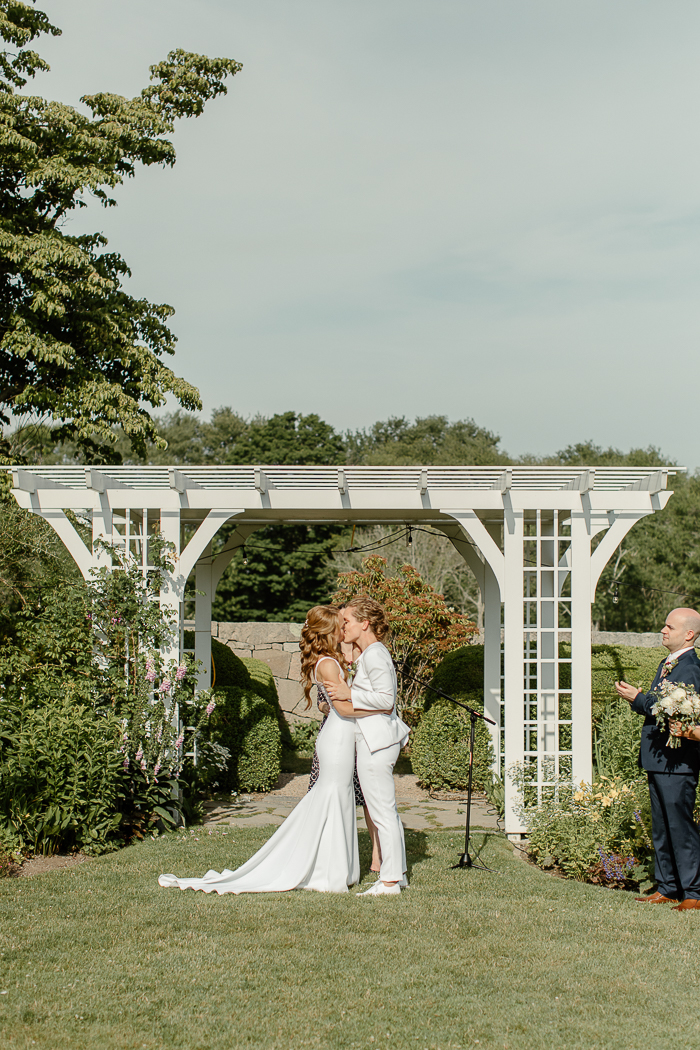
(285, 569)
(656, 568)
(587, 453)
(429, 440)
(423, 628)
(432, 556)
(75, 348)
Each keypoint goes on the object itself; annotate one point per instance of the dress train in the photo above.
(316, 847)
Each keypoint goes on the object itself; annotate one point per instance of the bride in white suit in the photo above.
(316, 846)
(378, 740)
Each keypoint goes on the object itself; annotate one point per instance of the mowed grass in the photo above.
(99, 957)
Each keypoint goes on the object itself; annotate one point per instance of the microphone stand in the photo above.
(465, 860)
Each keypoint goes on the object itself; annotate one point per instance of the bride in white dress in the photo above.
(316, 846)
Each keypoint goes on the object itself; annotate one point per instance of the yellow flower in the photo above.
(606, 802)
(579, 796)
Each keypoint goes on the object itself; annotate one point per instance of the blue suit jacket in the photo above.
(654, 756)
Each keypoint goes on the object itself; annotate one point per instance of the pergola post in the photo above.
(208, 571)
(204, 596)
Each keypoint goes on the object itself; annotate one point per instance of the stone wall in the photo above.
(277, 645)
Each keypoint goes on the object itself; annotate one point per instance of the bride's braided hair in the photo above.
(319, 638)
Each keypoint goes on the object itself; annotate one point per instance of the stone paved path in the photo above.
(419, 811)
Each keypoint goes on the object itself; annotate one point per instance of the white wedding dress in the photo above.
(316, 847)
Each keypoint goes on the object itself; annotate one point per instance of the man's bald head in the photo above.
(681, 629)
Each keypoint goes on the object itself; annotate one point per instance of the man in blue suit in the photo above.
(672, 773)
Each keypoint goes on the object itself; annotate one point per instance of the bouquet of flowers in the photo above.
(677, 703)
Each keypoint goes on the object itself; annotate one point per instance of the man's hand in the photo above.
(337, 690)
(627, 692)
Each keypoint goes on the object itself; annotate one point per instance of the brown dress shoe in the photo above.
(687, 904)
(656, 898)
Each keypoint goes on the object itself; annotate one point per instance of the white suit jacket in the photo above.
(374, 686)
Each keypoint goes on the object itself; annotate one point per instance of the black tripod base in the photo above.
(465, 861)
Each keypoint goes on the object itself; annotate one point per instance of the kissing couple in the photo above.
(316, 847)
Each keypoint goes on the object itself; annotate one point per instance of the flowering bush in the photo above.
(423, 628)
(155, 701)
(595, 833)
(91, 717)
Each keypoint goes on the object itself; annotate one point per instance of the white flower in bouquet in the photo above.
(677, 703)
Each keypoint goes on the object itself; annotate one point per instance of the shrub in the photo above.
(245, 724)
(461, 675)
(423, 627)
(244, 673)
(7, 865)
(263, 683)
(229, 669)
(304, 735)
(616, 742)
(440, 748)
(261, 679)
(61, 777)
(593, 833)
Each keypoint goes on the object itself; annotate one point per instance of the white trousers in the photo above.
(376, 773)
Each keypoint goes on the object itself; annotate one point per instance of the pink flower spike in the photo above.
(180, 673)
(164, 686)
(210, 707)
(126, 762)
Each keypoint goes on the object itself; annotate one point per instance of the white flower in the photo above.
(685, 707)
(677, 694)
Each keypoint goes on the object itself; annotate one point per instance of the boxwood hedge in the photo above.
(439, 747)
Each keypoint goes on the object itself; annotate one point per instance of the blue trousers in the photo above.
(675, 834)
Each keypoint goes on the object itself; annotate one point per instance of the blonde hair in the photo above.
(318, 639)
(366, 608)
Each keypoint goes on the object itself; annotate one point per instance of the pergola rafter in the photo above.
(525, 532)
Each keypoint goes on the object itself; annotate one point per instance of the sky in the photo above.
(485, 209)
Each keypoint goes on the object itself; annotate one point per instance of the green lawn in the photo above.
(99, 957)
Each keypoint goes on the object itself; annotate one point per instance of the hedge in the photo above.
(439, 747)
(229, 669)
(462, 671)
(245, 673)
(263, 683)
(247, 725)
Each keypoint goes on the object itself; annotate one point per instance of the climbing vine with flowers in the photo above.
(154, 700)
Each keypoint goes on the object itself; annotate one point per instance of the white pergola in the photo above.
(525, 532)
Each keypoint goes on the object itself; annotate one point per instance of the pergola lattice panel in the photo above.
(526, 533)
